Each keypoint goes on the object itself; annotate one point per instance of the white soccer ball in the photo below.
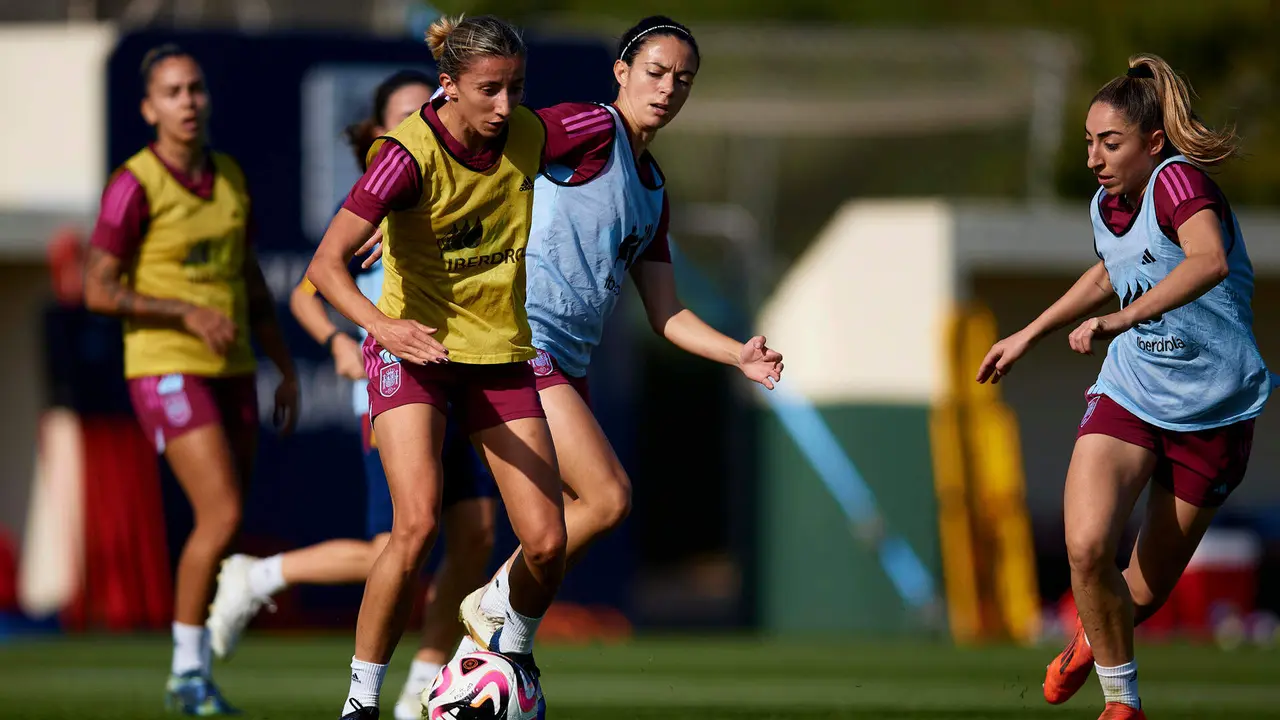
(481, 686)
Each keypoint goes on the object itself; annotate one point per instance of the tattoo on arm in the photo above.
(105, 293)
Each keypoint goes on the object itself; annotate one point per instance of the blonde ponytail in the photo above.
(1154, 97)
(1201, 144)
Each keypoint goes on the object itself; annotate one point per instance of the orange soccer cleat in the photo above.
(1070, 670)
(1120, 711)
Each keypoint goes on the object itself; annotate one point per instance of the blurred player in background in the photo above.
(600, 212)
(171, 254)
(1182, 381)
(247, 584)
(455, 184)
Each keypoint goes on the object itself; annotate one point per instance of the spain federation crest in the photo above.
(389, 378)
(542, 364)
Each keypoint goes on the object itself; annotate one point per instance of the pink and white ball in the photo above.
(481, 686)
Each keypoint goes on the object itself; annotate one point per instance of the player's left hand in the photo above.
(285, 415)
(1099, 328)
(759, 362)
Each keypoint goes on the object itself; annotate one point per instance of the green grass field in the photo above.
(291, 678)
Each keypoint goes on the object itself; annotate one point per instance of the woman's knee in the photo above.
(219, 519)
(415, 529)
(613, 503)
(1089, 553)
(545, 548)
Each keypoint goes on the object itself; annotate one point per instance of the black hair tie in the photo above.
(1140, 71)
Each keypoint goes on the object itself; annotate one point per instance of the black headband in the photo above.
(1140, 71)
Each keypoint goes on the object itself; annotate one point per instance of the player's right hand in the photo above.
(216, 330)
(1001, 357)
(347, 359)
(410, 340)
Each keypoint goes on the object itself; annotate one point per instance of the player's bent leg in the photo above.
(413, 475)
(202, 462)
(247, 584)
(1104, 481)
(1170, 533)
(588, 466)
(468, 544)
(523, 462)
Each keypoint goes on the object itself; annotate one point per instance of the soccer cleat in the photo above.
(234, 606)
(1069, 671)
(359, 711)
(1120, 711)
(481, 626)
(194, 694)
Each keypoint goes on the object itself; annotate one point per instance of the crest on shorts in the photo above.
(177, 409)
(542, 364)
(1088, 411)
(389, 379)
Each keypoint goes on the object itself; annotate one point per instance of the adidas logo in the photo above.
(1147, 257)
(355, 678)
(527, 185)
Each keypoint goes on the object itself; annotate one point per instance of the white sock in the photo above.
(517, 633)
(1120, 684)
(266, 577)
(366, 685)
(188, 642)
(496, 600)
(421, 675)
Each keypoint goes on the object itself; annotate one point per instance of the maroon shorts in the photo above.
(483, 396)
(167, 406)
(547, 373)
(1200, 467)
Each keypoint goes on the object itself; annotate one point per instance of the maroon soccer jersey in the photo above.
(1181, 190)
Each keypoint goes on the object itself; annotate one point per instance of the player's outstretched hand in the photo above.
(1099, 328)
(373, 246)
(285, 415)
(410, 340)
(216, 330)
(759, 362)
(1001, 357)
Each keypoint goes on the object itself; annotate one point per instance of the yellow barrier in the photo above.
(987, 551)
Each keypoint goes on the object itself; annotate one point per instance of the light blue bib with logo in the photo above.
(1197, 366)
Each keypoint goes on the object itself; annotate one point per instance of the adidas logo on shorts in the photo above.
(527, 185)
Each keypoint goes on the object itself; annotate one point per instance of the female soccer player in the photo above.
(1182, 380)
(247, 584)
(454, 183)
(597, 216)
(171, 253)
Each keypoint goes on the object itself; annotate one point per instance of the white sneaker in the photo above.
(409, 706)
(480, 625)
(234, 605)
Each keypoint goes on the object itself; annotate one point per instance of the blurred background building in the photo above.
(881, 188)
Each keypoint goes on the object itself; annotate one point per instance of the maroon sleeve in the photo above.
(122, 219)
(579, 136)
(1183, 190)
(659, 249)
(392, 182)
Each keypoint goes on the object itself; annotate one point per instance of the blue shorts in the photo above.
(465, 477)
